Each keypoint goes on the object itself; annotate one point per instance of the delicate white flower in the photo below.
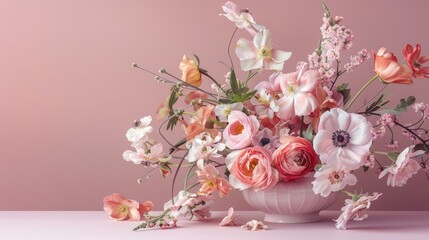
(140, 130)
(254, 225)
(144, 152)
(242, 19)
(260, 53)
(332, 179)
(343, 139)
(230, 219)
(222, 111)
(264, 104)
(203, 146)
(354, 209)
(403, 168)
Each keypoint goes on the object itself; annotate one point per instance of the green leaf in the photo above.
(308, 134)
(404, 104)
(248, 95)
(393, 155)
(401, 107)
(345, 91)
(234, 82)
(326, 10)
(225, 101)
(422, 147)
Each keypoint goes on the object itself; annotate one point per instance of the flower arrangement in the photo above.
(286, 127)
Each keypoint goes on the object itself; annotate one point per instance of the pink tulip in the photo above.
(120, 208)
(389, 70)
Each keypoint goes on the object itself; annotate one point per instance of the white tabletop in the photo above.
(96, 225)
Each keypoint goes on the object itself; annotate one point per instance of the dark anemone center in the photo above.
(264, 141)
(340, 138)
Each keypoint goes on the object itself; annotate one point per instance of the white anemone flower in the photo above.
(332, 179)
(343, 139)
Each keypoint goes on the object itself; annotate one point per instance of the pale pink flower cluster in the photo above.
(387, 120)
(423, 108)
(409, 135)
(356, 61)
(355, 208)
(392, 145)
(335, 38)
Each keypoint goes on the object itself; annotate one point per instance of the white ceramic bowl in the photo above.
(290, 202)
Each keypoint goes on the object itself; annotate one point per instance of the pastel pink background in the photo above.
(68, 92)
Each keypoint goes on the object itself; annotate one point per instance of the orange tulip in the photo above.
(389, 70)
(190, 71)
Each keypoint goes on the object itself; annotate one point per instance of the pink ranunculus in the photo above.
(295, 158)
(240, 130)
(251, 167)
(120, 208)
(297, 99)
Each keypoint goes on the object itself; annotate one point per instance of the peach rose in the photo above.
(295, 158)
(251, 167)
(240, 130)
(190, 71)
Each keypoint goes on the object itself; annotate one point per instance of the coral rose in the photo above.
(240, 130)
(251, 167)
(389, 70)
(190, 71)
(295, 158)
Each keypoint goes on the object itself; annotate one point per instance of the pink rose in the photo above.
(251, 167)
(120, 208)
(240, 130)
(295, 158)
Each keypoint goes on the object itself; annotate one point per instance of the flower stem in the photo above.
(361, 91)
